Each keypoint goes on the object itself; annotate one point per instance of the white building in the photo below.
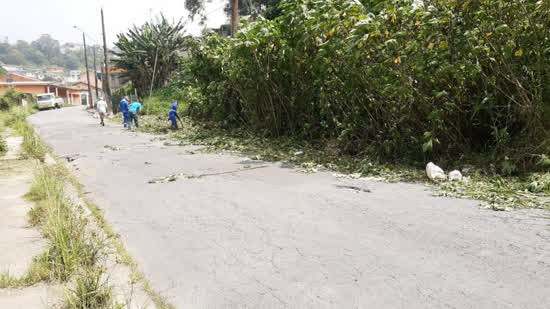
(74, 76)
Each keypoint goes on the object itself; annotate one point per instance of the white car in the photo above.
(48, 100)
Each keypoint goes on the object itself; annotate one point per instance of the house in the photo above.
(82, 87)
(73, 94)
(23, 84)
(13, 68)
(74, 76)
(35, 74)
(117, 78)
(83, 82)
(54, 70)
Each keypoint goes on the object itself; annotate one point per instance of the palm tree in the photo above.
(152, 47)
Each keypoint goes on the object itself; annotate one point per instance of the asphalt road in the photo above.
(271, 237)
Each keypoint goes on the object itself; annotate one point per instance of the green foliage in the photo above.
(13, 98)
(376, 75)
(32, 146)
(119, 94)
(3, 146)
(15, 117)
(152, 45)
(267, 8)
(156, 106)
(45, 51)
(539, 183)
(91, 290)
(10, 99)
(70, 248)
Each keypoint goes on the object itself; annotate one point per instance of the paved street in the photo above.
(270, 237)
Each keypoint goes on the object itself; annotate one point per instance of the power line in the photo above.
(215, 10)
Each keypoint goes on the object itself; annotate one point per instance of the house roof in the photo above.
(38, 83)
(84, 86)
(18, 77)
(116, 70)
(12, 79)
(68, 87)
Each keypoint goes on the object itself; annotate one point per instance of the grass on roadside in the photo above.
(73, 250)
(91, 290)
(3, 146)
(69, 246)
(124, 256)
(73, 253)
(32, 146)
(16, 118)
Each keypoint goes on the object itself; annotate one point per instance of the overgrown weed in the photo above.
(32, 146)
(91, 290)
(70, 244)
(74, 251)
(3, 146)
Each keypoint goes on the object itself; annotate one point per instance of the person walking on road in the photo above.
(102, 110)
(124, 110)
(173, 114)
(133, 114)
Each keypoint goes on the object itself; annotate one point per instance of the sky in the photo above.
(28, 19)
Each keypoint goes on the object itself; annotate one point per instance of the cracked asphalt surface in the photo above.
(274, 238)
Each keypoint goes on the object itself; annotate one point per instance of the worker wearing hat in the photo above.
(124, 110)
(173, 114)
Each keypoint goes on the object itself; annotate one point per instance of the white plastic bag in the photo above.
(455, 175)
(435, 173)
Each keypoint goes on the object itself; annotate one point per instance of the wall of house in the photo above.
(32, 89)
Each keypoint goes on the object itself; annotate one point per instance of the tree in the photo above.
(14, 56)
(268, 8)
(3, 71)
(153, 45)
(31, 54)
(43, 52)
(47, 45)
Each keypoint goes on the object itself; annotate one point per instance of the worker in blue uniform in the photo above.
(173, 114)
(124, 110)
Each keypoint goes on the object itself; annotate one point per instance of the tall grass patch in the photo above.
(70, 245)
(3, 146)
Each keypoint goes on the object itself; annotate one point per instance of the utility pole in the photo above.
(153, 78)
(95, 75)
(90, 103)
(106, 86)
(235, 19)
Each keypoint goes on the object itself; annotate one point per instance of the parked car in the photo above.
(48, 100)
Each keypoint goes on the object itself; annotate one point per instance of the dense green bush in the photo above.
(12, 98)
(402, 79)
